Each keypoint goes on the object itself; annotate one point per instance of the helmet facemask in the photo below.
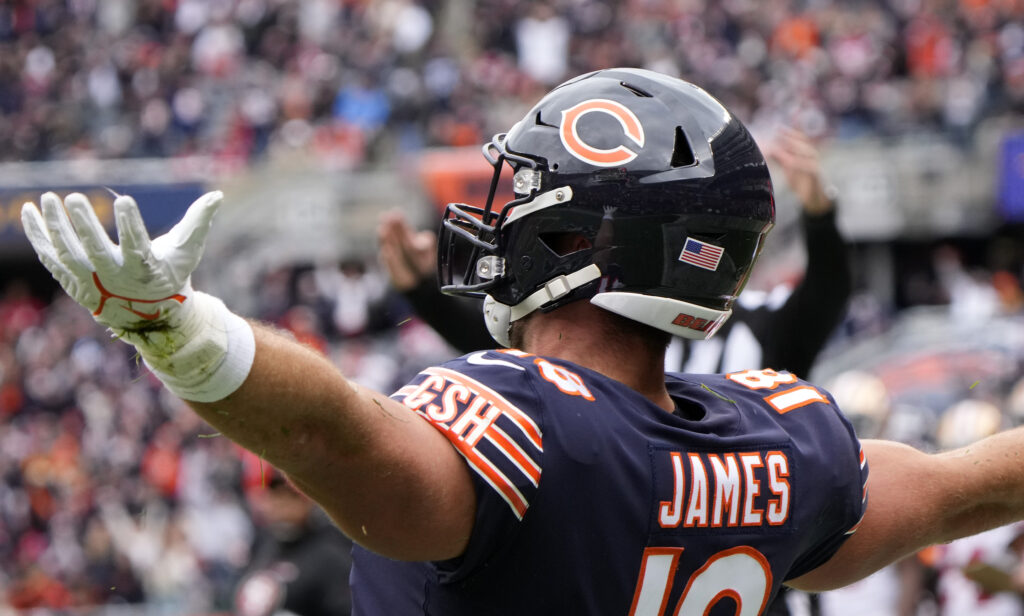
(473, 242)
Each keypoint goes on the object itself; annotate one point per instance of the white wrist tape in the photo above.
(206, 358)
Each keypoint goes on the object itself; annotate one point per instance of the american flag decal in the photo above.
(701, 254)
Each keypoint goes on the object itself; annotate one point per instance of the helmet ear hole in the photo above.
(564, 243)
(682, 153)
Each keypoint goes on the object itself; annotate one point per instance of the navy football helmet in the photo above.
(668, 190)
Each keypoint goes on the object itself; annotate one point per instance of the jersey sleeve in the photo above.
(827, 470)
(487, 408)
(844, 495)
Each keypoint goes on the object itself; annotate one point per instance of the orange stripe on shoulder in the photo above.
(515, 453)
(491, 474)
(521, 419)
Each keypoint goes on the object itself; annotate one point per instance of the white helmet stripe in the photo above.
(670, 315)
(557, 196)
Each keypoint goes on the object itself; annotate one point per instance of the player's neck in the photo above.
(574, 333)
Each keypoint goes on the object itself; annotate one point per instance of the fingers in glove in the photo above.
(69, 247)
(131, 230)
(191, 231)
(76, 282)
(35, 230)
(104, 255)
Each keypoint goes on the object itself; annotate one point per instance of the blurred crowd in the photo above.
(112, 492)
(104, 475)
(362, 81)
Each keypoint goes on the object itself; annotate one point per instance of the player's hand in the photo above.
(799, 160)
(139, 285)
(409, 256)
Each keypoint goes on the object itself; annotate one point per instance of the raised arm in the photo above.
(410, 258)
(389, 480)
(792, 335)
(916, 499)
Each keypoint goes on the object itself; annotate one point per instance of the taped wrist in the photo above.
(203, 359)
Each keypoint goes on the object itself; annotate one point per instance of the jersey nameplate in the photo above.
(740, 489)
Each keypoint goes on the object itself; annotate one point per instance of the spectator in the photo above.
(299, 562)
(542, 44)
(883, 66)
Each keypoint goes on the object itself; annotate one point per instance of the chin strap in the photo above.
(499, 317)
(556, 288)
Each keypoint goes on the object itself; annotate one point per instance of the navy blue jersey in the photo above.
(593, 500)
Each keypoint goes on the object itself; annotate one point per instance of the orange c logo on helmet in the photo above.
(579, 148)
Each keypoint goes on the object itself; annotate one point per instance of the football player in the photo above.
(564, 473)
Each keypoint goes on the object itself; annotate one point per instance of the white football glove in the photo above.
(142, 290)
(139, 285)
